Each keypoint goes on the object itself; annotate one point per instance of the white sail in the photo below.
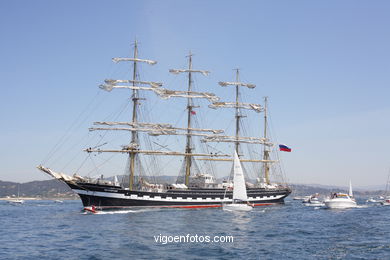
(151, 62)
(233, 139)
(254, 107)
(350, 189)
(116, 182)
(239, 188)
(177, 71)
(248, 85)
(114, 82)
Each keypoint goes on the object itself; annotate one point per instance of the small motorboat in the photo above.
(371, 200)
(302, 198)
(306, 199)
(91, 209)
(341, 200)
(386, 202)
(314, 201)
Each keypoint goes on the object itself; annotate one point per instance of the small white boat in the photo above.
(240, 198)
(386, 202)
(306, 199)
(372, 200)
(341, 200)
(15, 201)
(91, 209)
(238, 205)
(301, 198)
(314, 201)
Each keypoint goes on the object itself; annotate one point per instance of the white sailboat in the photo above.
(17, 200)
(341, 200)
(386, 196)
(240, 197)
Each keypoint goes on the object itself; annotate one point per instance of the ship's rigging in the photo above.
(157, 129)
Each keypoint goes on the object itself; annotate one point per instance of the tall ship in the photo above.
(194, 187)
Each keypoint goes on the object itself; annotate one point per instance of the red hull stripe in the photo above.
(194, 206)
(211, 206)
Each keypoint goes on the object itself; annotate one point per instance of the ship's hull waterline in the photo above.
(107, 198)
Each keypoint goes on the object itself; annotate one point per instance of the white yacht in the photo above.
(341, 200)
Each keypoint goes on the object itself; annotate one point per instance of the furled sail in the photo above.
(166, 93)
(116, 81)
(135, 124)
(108, 87)
(161, 92)
(177, 71)
(129, 149)
(151, 62)
(234, 139)
(248, 85)
(157, 127)
(255, 107)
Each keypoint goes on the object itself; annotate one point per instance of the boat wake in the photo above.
(112, 212)
(115, 212)
(362, 206)
(317, 205)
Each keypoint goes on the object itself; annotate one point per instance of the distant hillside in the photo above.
(43, 189)
(301, 190)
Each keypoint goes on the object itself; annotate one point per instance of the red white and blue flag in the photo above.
(284, 148)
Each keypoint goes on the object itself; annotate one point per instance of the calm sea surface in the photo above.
(48, 230)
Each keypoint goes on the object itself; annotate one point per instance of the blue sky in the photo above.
(324, 65)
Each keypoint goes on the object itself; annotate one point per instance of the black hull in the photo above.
(108, 197)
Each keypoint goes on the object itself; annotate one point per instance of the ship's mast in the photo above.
(189, 94)
(155, 129)
(134, 134)
(188, 150)
(238, 115)
(266, 151)
(237, 105)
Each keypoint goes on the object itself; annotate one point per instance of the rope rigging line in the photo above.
(65, 137)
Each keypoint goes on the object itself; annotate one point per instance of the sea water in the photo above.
(49, 230)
